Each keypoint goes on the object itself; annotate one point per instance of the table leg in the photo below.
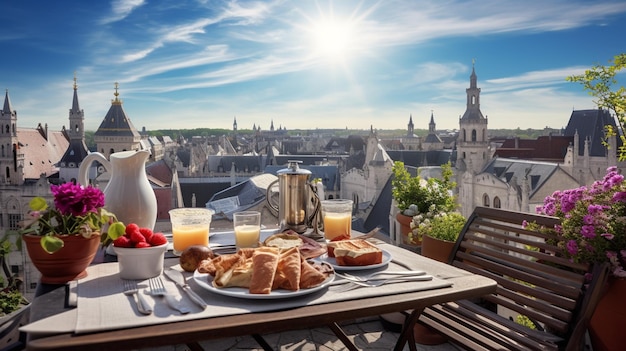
(194, 346)
(407, 331)
(342, 336)
(261, 341)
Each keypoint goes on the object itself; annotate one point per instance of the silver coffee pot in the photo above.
(298, 203)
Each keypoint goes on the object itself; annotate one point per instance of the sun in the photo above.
(332, 39)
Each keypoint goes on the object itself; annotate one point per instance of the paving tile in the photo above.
(367, 335)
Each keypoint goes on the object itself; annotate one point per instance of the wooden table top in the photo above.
(464, 285)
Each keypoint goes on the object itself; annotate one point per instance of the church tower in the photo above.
(472, 143)
(410, 127)
(117, 132)
(77, 149)
(11, 160)
(235, 125)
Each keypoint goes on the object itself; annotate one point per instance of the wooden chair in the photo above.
(536, 284)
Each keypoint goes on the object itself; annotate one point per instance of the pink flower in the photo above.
(572, 247)
(608, 236)
(588, 231)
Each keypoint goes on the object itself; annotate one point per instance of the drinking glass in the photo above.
(337, 216)
(247, 225)
(190, 226)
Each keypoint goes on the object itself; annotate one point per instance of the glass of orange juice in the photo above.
(337, 216)
(247, 225)
(190, 226)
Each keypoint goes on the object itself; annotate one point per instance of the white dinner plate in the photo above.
(205, 281)
(333, 262)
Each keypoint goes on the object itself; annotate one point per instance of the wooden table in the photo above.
(464, 285)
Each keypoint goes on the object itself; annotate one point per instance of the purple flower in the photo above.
(588, 231)
(93, 199)
(572, 247)
(73, 199)
(619, 196)
(67, 199)
(588, 219)
(593, 208)
(608, 236)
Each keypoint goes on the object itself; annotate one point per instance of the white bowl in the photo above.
(140, 263)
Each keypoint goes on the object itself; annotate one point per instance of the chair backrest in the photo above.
(534, 278)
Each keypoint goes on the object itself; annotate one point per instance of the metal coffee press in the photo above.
(298, 202)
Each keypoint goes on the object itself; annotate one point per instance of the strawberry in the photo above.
(158, 239)
(146, 232)
(136, 237)
(132, 227)
(142, 244)
(122, 241)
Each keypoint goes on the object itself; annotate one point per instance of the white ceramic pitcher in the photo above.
(128, 194)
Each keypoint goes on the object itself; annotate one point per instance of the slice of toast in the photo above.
(355, 252)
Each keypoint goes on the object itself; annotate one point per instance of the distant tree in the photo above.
(600, 82)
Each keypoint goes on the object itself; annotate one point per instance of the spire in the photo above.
(116, 101)
(473, 75)
(431, 125)
(7, 109)
(472, 111)
(75, 105)
(410, 127)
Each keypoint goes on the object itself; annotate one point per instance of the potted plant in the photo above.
(593, 230)
(415, 195)
(63, 240)
(438, 233)
(13, 305)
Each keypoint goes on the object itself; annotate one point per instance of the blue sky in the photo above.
(304, 64)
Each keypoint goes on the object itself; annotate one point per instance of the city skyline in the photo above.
(305, 65)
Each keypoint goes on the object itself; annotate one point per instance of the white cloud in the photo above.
(121, 9)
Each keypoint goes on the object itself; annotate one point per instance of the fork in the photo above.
(130, 289)
(158, 289)
(370, 276)
(351, 285)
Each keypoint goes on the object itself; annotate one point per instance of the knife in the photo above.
(178, 278)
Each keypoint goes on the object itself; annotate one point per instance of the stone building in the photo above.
(521, 173)
(29, 159)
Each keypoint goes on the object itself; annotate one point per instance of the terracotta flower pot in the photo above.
(405, 228)
(605, 328)
(68, 263)
(437, 249)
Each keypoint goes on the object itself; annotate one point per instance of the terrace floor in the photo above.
(367, 334)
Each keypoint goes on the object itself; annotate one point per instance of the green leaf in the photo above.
(116, 230)
(38, 204)
(51, 244)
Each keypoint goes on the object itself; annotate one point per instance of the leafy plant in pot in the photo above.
(11, 298)
(415, 195)
(63, 240)
(438, 233)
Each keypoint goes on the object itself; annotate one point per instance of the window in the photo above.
(473, 135)
(14, 221)
(486, 200)
(496, 202)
